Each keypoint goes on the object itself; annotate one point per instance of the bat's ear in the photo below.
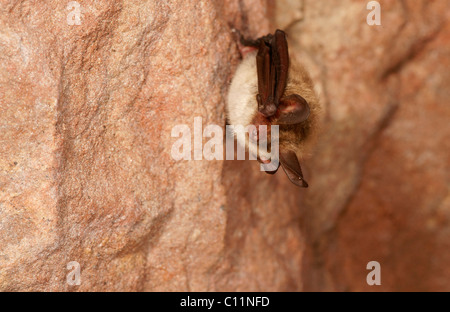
(293, 109)
(291, 166)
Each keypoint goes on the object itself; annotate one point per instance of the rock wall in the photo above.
(380, 177)
(86, 172)
(86, 169)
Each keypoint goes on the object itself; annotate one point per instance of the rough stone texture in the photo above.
(86, 172)
(86, 175)
(380, 177)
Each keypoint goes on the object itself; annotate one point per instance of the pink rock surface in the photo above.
(381, 172)
(86, 170)
(86, 173)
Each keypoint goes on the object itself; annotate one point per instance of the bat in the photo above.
(269, 88)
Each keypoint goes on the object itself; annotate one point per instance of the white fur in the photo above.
(242, 106)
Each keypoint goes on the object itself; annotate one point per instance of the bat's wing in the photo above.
(291, 166)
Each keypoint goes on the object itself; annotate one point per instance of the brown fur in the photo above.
(300, 137)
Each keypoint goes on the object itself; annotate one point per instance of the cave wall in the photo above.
(86, 172)
(87, 175)
(380, 175)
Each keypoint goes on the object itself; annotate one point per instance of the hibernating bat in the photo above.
(269, 88)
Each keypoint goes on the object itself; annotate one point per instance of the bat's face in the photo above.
(267, 91)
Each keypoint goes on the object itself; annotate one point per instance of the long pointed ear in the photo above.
(280, 62)
(293, 109)
(266, 81)
(291, 166)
